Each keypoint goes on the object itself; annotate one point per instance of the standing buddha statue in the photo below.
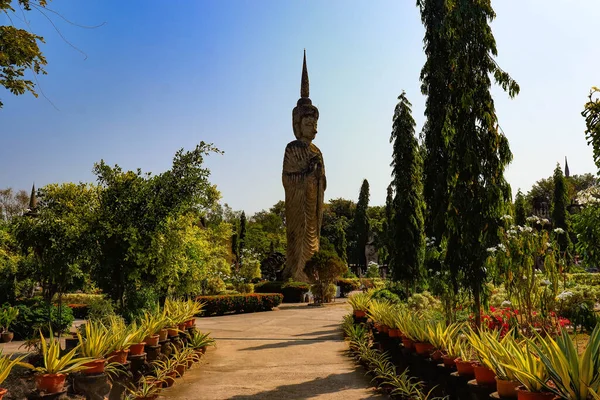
(304, 183)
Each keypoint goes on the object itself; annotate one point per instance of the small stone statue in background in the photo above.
(304, 183)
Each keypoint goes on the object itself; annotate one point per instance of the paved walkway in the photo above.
(296, 352)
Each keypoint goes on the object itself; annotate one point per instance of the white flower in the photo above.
(491, 250)
(564, 295)
(506, 217)
(559, 230)
(430, 270)
(538, 271)
(528, 229)
(548, 244)
(502, 247)
(545, 282)
(506, 303)
(524, 277)
(532, 218)
(437, 273)
(545, 221)
(512, 232)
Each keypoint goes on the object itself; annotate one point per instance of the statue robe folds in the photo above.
(304, 183)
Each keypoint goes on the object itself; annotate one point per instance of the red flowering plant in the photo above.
(498, 319)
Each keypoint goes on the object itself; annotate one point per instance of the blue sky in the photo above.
(161, 75)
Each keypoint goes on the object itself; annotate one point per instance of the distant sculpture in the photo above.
(304, 183)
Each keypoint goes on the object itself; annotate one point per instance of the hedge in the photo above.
(347, 285)
(35, 314)
(293, 292)
(240, 303)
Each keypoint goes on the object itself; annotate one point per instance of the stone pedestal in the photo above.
(458, 387)
(120, 383)
(152, 352)
(48, 396)
(93, 387)
(480, 392)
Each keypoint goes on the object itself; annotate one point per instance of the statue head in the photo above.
(305, 115)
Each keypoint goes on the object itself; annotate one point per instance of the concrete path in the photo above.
(296, 352)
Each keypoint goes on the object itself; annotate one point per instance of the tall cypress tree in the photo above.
(387, 224)
(406, 261)
(437, 131)
(559, 213)
(520, 213)
(242, 237)
(478, 151)
(361, 223)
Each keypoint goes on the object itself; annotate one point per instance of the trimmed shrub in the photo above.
(241, 303)
(35, 314)
(347, 285)
(293, 292)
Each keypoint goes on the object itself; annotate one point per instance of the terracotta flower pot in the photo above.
(423, 349)
(484, 375)
(3, 392)
(180, 370)
(50, 383)
(449, 361)
(119, 356)
(170, 379)
(377, 326)
(136, 349)
(507, 389)
(385, 328)
(524, 394)
(162, 335)
(7, 337)
(437, 355)
(464, 368)
(360, 313)
(408, 344)
(94, 367)
(152, 340)
(393, 332)
(172, 332)
(191, 322)
(181, 326)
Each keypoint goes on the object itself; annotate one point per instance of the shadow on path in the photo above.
(330, 384)
(295, 342)
(317, 333)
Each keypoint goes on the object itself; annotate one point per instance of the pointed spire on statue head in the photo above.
(567, 172)
(32, 210)
(304, 84)
(32, 199)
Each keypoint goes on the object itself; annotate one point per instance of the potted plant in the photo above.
(54, 368)
(529, 371)
(146, 390)
(200, 341)
(7, 317)
(137, 339)
(575, 376)
(181, 359)
(360, 304)
(6, 365)
(120, 337)
(464, 361)
(168, 369)
(95, 345)
(484, 343)
(151, 324)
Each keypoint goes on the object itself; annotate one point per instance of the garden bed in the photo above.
(240, 303)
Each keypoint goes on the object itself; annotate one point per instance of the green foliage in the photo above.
(138, 300)
(323, 269)
(462, 123)
(138, 219)
(591, 113)
(373, 270)
(520, 212)
(219, 305)
(361, 224)
(20, 50)
(587, 228)
(348, 285)
(560, 217)
(386, 295)
(35, 314)
(407, 249)
(59, 238)
(293, 292)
